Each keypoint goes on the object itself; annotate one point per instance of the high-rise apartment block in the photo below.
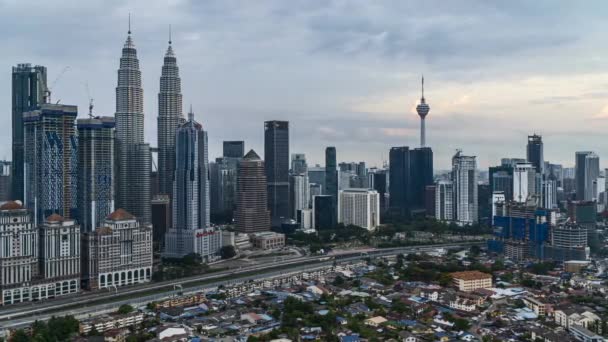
(464, 176)
(444, 200)
(524, 182)
(51, 161)
(96, 171)
(29, 92)
(359, 207)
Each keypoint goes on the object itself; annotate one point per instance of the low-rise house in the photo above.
(537, 306)
(568, 317)
(582, 334)
(375, 321)
(109, 322)
(471, 280)
(406, 336)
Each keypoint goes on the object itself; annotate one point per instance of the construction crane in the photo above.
(48, 90)
(90, 100)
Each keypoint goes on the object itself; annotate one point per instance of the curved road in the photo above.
(99, 302)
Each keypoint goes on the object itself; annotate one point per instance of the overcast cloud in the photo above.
(344, 73)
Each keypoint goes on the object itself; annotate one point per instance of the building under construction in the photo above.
(51, 154)
(96, 171)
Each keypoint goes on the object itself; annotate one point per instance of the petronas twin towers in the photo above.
(133, 191)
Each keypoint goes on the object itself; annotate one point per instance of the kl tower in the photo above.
(423, 111)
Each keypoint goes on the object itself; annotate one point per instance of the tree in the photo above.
(445, 279)
(125, 309)
(338, 281)
(228, 252)
(461, 324)
(20, 336)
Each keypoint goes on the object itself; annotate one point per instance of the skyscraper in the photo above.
(421, 175)
(331, 177)
(399, 180)
(423, 110)
(252, 213)
(169, 119)
(299, 193)
(133, 155)
(233, 149)
(276, 161)
(324, 213)
(298, 164)
(29, 88)
(223, 189)
(190, 188)
(524, 182)
(580, 171)
(501, 180)
(592, 172)
(444, 200)
(534, 153)
(51, 161)
(464, 177)
(95, 171)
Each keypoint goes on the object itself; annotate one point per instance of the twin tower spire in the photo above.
(170, 111)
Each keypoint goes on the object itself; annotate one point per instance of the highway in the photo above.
(95, 303)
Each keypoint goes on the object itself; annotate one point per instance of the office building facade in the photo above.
(324, 213)
(233, 149)
(191, 209)
(96, 175)
(60, 255)
(276, 161)
(252, 213)
(118, 253)
(331, 175)
(19, 253)
(535, 153)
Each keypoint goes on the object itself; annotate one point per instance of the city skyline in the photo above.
(222, 69)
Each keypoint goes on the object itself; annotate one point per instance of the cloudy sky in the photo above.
(344, 73)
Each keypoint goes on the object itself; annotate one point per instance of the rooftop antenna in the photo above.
(90, 100)
(129, 23)
(169, 34)
(191, 114)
